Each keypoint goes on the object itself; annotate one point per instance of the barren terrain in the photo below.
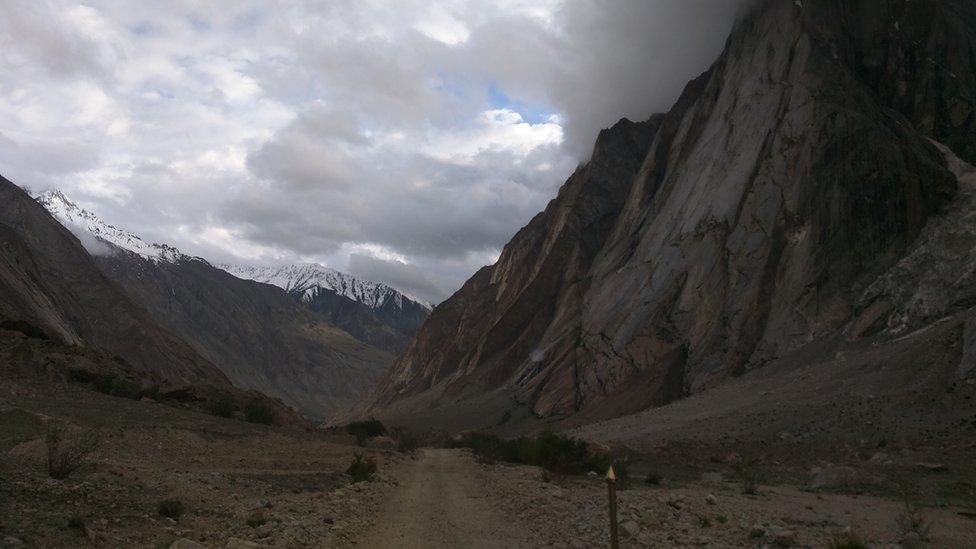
(246, 485)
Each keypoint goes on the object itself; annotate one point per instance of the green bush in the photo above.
(554, 452)
(171, 508)
(222, 407)
(256, 519)
(76, 522)
(366, 429)
(361, 470)
(257, 411)
(124, 388)
(119, 386)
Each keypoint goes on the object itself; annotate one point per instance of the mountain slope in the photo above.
(748, 222)
(254, 333)
(372, 312)
(49, 281)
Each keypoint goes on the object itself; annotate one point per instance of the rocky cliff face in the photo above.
(49, 282)
(755, 217)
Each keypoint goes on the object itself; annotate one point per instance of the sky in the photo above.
(400, 141)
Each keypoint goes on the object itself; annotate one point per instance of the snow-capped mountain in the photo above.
(307, 279)
(84, 224)
(304, 279)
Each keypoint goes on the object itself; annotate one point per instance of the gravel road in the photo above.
(444, 500)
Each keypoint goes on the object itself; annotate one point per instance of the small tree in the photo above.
(365, 430)
(222, 407)
(361, 470)
(66, 453)
(259, 412)
(171, 508)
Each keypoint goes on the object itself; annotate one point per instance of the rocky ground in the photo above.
(247, 485)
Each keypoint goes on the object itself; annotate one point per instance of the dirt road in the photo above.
(444, 501)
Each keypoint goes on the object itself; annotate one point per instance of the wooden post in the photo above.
(612, 488)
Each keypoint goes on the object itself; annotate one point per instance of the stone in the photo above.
(711, 499)
(934, 467)
(11, 541)
(783, 537)
(264, 530)
(630, 529)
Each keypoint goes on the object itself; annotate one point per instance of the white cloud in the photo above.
(402, 138)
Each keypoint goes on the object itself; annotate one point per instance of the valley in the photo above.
(756, 301)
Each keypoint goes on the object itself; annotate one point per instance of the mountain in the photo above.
(256, 334)
(793, 204)
(372, 312)
(52, 286)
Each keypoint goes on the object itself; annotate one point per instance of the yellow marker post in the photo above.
(612, 487)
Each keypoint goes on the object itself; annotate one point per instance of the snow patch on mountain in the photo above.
(96, 235)
(306, 279)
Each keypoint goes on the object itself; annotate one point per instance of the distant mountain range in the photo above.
(308, 334)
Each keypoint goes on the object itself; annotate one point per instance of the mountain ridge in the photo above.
(784, 180)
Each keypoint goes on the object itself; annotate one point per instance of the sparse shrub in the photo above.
(257, 411)
(748, 480)
(256, 519)
(222, 407)
(365, 430)
(702, 521)
(553, 452)
(406, 442)
(171, 508)
(66, 453)
(654, 478)
(361, 469)
(913, 529)
(76, 522)
(847, 541)
(721, 519)
(124, 388)
(121, 387)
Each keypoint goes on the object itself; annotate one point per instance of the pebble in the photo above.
(630, 529)
(237, 543)
(711, 499)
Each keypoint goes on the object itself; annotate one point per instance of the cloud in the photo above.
(408, 278)
(405, 141)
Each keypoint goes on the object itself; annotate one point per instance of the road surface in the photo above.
(444, 501)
